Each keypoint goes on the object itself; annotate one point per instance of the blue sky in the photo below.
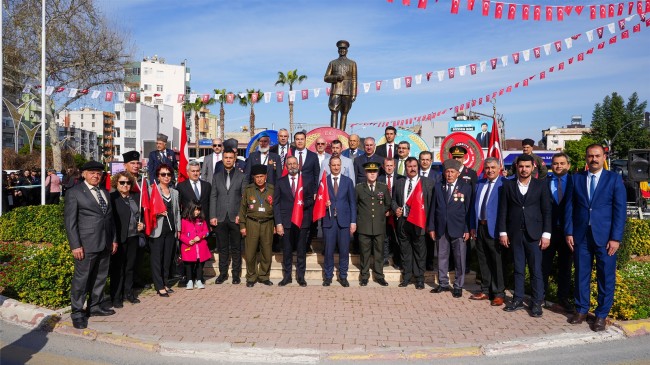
(243, 44)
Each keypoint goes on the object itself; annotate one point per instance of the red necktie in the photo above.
(388, 178)
(390, 152)
(293, 186)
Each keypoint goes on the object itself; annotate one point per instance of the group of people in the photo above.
(380, 199)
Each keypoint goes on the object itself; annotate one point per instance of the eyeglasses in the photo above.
(216, 145)
(124, 183)
(165, 174)
(321, 144)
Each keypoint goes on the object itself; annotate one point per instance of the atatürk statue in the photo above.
(342, 74)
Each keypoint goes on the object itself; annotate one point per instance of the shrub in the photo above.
(37, 224)
(636, 240)
(635, 276)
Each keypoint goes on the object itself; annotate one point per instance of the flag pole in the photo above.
(43, 112)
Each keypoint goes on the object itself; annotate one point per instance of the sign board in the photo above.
(329, 134)
(417, 143)
(473, 158)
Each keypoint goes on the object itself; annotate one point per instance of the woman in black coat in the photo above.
(128, 227)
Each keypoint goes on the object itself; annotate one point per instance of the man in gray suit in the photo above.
(225, 199)
(207, 170)
(91, 235)
(347, 168)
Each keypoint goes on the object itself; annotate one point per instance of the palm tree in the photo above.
(249, 100)
(221, 99)
(291, 77)
(196, 107)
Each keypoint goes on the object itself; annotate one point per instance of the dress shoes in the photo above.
(164, 295)
(439, 289)
(419, 285)
(221, 279)
(250, 284)
(266, 282)
(285, 281)
(100, 312)
(363, 282)
(236, 280)
(403, 284)
(479, 296)
(132, 299)
(497, 302)
(327, 282)
(457, 292)
(429, 267)
(600, 325)
(381, 282)
(386, 263)
(578, 318)
(514, 305)
(80, 323)
(118, 304)
(566, 305)
(344, 283)
(301, 282)
(536, 310)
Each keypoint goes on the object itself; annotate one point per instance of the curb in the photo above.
(27, 315)
(639, 327)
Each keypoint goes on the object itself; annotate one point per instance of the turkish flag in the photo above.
(647, 6)
(560, 13)
(145, 204)
(451, 72)
(621, 6)
(473, 102)
(298, 204)
(109, 96)
(501, 92)
(581, 57)
(408, 80)
(107, 181)
(84, 92)
(205, 98)
(417, 214)
(590, 50)
(537, 13)
(406, 2)
(579, 9)
(560, 66)
(180, 98)
(516, 85)
(625, 34)
(599, 31)
(558, 46)
(525, 11)
(592, 12)
(133, 97)
(612, 40)
(428, 76)
(254, 97)
(639, 7)
(537, 52)
(637, 28)
(480, 100)
(509, 89)
(515, 57)
(467, 105)
(472, 69)
(570, 60)
(498, 10)
(183, 160)
(422, 4)
(549, 13)
(230, 98)
(610, 10)
(327, 91)
(494, 94)
(470, 4)
(377, 85)
(630, 7)
(551, 69)
(494, 147)
(542, 75)
(487, 98)
(603, 11)
(322, 197)
(279, 96)
(305, 94)
(621, 24)
(486, 7)
(567, 9)
(454, 6)
(285, 171)
(156, 206)
(525, 82)
(512, 9)
(493, 63)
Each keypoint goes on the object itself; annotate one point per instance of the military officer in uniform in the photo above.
(468, 176)
(256, 225)
(373, 205)
(342, 74)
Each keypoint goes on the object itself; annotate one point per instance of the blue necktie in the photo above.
(592, 187)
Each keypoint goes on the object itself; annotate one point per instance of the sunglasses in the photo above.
(165, 174)
(124, 182)
(217, 145)
(321, 144)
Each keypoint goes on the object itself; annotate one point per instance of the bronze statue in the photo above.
(342, 74)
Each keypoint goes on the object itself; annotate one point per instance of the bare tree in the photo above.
(83, 51)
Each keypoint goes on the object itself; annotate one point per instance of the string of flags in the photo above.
(542, 75)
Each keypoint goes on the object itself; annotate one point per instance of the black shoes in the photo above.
(250, 284)
(302, 282)
(386, 263)
(381, 282)
(285, 281)
(439, 289)
(514, 305)
(132, 299)
(600, 325)
(419, 285)
(363, 282)
(100, 312)
(567, 305)
(266, 282)
(236, 280)
(457, 292)
(403, 284)
(222, 279)
(327, 282)
(80, 323)
(344, 283)
(164, 295)
(536, 310)
(118, 304)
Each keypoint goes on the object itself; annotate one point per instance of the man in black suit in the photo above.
(411, 237)
(282, 148)
(426, 160)
(194, 188)
(483, 137)
(162, 155)
(449, 223)
(286, 191)
(264, 157)
(308, 164)
(560, 186)
(369, 156)
(391, 245)
(388, 149)
(523, 205)
(91, 234)
(230, 144)
(225, 201)
(403, 152)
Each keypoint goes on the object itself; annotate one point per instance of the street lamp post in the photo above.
(610, 142)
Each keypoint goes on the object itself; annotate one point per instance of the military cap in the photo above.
(231, 143)
(162, 138)
(92, 166)
(131, 156)
(342, 44)
(528, 142)
(371, 166)
(458, 151)
(451, 164)
(258, 169)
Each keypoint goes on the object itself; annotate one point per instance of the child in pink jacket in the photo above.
(194, 247)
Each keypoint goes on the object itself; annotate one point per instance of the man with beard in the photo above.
(264, 157)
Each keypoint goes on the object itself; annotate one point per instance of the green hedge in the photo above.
(636, 240)
(36, 224)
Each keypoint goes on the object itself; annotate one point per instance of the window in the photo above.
(92, 116)
(147, 87)
(159, 88)
(117, 115)
(135, 71)
(93, 124)
(117, 132)
(129, 115)
(129, 143)
(129, 133)
(81, 116)
(117, 150)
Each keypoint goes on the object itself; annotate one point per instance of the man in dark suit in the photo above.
(282, 148)
(373, 206)
(560, 186)
(483, 137)
(391, 245)
(449, 223)
(209, 161)
(354, 151)
(162, 155)
(262, 156)
(470, 177)
(308, 164)
(340, 221)
(425, 159)
(403, 152)
(287, 190)
(194, 188)
(388, 149)
(594, 226)
(411, 237)
(91, 234)
(230, 144)
(483, 228)
(369, 156)
(523, 205)
(225, 201)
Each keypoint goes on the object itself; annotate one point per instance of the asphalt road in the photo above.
(23, 346)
